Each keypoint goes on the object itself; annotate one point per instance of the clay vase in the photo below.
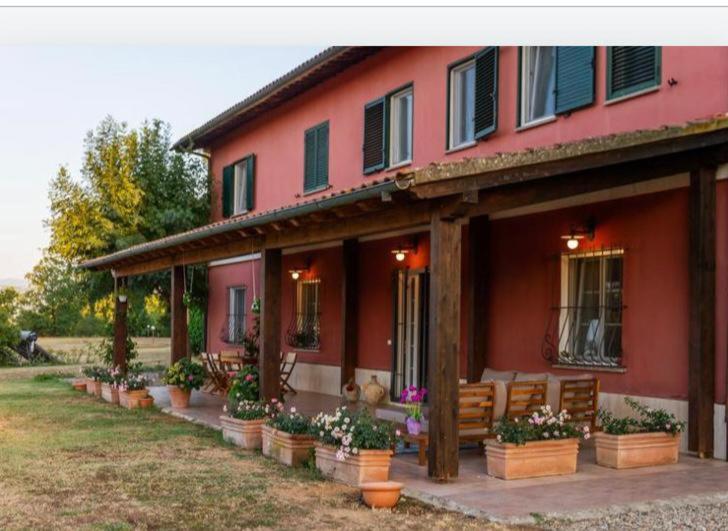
(351, 391)
(373, 391)
(381, 494)
(180, 398)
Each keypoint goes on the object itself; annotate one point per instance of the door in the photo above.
(409, 342)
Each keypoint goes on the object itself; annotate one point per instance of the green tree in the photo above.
(9, 330)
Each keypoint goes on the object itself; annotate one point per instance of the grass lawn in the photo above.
(68, 460)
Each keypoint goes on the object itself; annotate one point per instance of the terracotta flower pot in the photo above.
(93, 388)
(110, 393)
(534, 459)
(131, 399)
(287, 449)
(381, 494)
(179, 397)
(79, 384)
(365, 467)
(145, 403)
(636, 449)
(247, 434)
(89, 386)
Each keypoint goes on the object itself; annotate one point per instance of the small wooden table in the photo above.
(422, 440)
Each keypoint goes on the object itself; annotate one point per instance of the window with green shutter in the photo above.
(238, 187)
(486, 92)
(316, 158)
(574, 77)
(632, 69)
(375, 133)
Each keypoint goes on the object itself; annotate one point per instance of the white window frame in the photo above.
(567, 287)
(240, 191)
(232, 309)
(394, 123)
(454, 101)
(524, 103)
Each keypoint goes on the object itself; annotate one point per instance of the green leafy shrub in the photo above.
(105, 351)
(351, 432)
(196, 329)
(95, 373)
(650, 420)
(245, 385)
(541, 425)
(291, 422)
(185, 374)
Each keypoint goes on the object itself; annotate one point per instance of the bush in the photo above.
(196, 329)
(185, 374)
(650, 421)
(250, 410)
(351, 432)
(541, 425)
(105, 350)
(291, 422)
(244, 386)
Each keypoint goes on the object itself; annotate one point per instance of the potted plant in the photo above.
(286, 438)
(245, 385)
(93, 383)
(243, 422)
(652, 439)
(353, 448)
(543, 444)
(133, 391)
(110, 385)
(412, 399)
(181, 378)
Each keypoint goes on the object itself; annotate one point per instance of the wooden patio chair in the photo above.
(288, 363)
(218, 379)
(231, 361)
(475, 411)
(525, 397)
(580, 399)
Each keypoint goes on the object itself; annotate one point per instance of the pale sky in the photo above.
(51, 95)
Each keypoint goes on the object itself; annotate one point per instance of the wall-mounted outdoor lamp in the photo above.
(296, 273)
(577, 234)
(401, 252)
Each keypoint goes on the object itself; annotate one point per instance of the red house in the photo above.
(422, 214)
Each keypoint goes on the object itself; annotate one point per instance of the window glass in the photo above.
(538, 81)
(236, 315)
(462, 104)
(304, 332)
(239, 187)
(401, 127)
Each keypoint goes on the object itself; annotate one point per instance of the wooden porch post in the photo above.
(349, 309)
(120, 328)
(477, 286)
(270, 325)
(179, 314)
(701, 387)
(443, 346)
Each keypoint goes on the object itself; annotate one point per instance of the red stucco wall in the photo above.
(277, 137)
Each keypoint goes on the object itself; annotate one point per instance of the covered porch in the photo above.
(439, 201)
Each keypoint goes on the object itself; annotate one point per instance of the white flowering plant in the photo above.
(651, 421)
(349, 432)
(254, 409)
(290, 422)
(133, 381)
(541, 425)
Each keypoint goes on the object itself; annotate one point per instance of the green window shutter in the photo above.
(631, 69)
(309, 174)
(322, 155)
(228, 178)
(375, 135)
(250, 183)
(486, 92)
(574, 77)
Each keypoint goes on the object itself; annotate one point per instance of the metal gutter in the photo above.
(243, 223)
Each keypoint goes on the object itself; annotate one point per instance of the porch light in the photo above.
(400, 254)
(295, 274)
(576, 235)
(572, 241)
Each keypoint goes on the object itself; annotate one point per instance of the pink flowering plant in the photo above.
(244, 385)
(133, 381)
(412, 398)
(116, 376)
(650, 420)
(291, 422)
(185, 374)
(350, 432)
(541, 425)
(254, 409)
(95, 373)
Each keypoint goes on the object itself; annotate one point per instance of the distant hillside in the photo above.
(17, 283)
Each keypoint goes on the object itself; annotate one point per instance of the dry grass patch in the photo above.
(72, 461)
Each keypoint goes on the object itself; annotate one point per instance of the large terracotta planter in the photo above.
(381, 494)
(93, 388)
(79, 384)
(365, 467)
(287, 449)
(247, 434)
(135, 399)
(534, 459)
(180, 398)
(636, 449)
(109, 393)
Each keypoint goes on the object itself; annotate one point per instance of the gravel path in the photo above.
(709, 513)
